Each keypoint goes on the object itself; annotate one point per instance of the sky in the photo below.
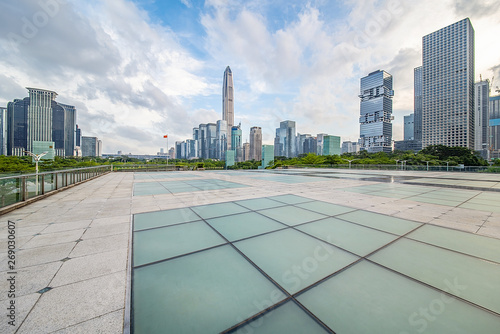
(137, 70)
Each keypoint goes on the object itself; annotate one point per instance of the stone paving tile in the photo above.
(100, 245)
(98, 231)
(67, 226)
(54, 238)
(30, 279)
(24, 304)
(40, 255)
(111, 323)
(75, 303)
(90, 266)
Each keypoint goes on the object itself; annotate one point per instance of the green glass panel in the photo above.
(166, 242)
(205, 292)
(163, 218)
(328, 209)
(291, 199)
(473, 244)
(470, 278)
(244, 225)
(355, 238)
(366, 298)
(217, 210)
(291, 215)
(293, 259)
(381, 222)
(288, 318)
(259, 203)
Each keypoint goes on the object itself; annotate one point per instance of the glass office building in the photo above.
(482, 101)
(448, 86)
(494, 127)
(285, 142)
(255, 143)
(376, 112)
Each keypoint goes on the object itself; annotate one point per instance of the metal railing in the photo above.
(20, 188)
(430, 168)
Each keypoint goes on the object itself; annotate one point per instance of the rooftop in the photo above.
(344, 251)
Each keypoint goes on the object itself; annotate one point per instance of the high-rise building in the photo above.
(78, 136)
(349, 147)
(301, 139)
(39, 115)
(494, 127)
(191, 148)
(331, 145)
(310, 145)
(91, 147)
(448, 86)
(285, 141)
(236, 142)
(3, 131)
(482, 101)
(212, 140)
(228, 101)
(255, 143)
(267, 155)
(221, 143)
(246, 152)
(17, 126)
(409, 127)
(319, 143)
(417, 107)
(69, 129)
(376, 112)
(202, 142)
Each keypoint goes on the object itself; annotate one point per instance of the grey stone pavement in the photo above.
(76, 242)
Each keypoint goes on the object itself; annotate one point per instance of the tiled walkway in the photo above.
(75, 243)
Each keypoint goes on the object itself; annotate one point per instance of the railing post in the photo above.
(43, 184)
(23, 188)
(55, 181)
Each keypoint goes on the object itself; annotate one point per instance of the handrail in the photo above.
(54, 171)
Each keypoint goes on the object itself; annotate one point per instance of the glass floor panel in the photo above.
(217, 210)
(287, 318)
(205, 292)
(476, 245)
(244, 225)
(177, 186)
(458, 274)
(381, 222)
(291, 199)
(328, 209)
(163, 218)
(291, 215)
(260, 203)
(166, 242)
(293, 259)
(354, 238)
(366, 298)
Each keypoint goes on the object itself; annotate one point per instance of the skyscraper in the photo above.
(255, 143)
(482, 101)
(448, 86)
(236, 142)
(409, 127)
(40, 115)
(417, 107)
(228, 101)
(376, 112)
(3, 131)
(221, 144)
(246, 152)
(494, 127)
(331, 145)
(285, 142)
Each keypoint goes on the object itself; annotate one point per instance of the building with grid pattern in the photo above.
(494, 127)
(482, 101)
(376, 112)
(255, 143)
(448, 86)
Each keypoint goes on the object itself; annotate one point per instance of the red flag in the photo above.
(165, 136)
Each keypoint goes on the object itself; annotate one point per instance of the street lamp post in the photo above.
(447, 163)
(350, 162)
(403, 163)
(37, 158)
(397, 164)
(427, 165)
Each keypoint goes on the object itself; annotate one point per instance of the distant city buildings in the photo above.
(228, 101)
(481, 117)
(349, 147)
(285, 141)
(255, 143)
(267, 155)
(448, 86)
(3, 131)
(331, 145)
(494, 127)
(39, 118)
(376, 112)
(91, 147)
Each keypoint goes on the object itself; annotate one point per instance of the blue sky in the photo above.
(136, 70)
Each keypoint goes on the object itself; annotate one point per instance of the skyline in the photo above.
(138, 70)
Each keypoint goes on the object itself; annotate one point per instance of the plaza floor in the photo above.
(258, 252)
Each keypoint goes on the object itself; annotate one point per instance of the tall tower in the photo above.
(482, 101)
(255, 143)
(417, 107)
(448, 86)
(40, 115)
(376, 112)
(228, 102)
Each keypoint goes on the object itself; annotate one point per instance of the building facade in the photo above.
(331, 145)
(236, 144)
(376, 112)
(349, 147)
(494, 127)
(221, 143)
(417, 107)
(267, 155)
(228, 101)
(246, 152)
(91, 147)
(409, 127)
(3, 131)
(481, 107)
(448, 86)
(285, 141)
(255, 143)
